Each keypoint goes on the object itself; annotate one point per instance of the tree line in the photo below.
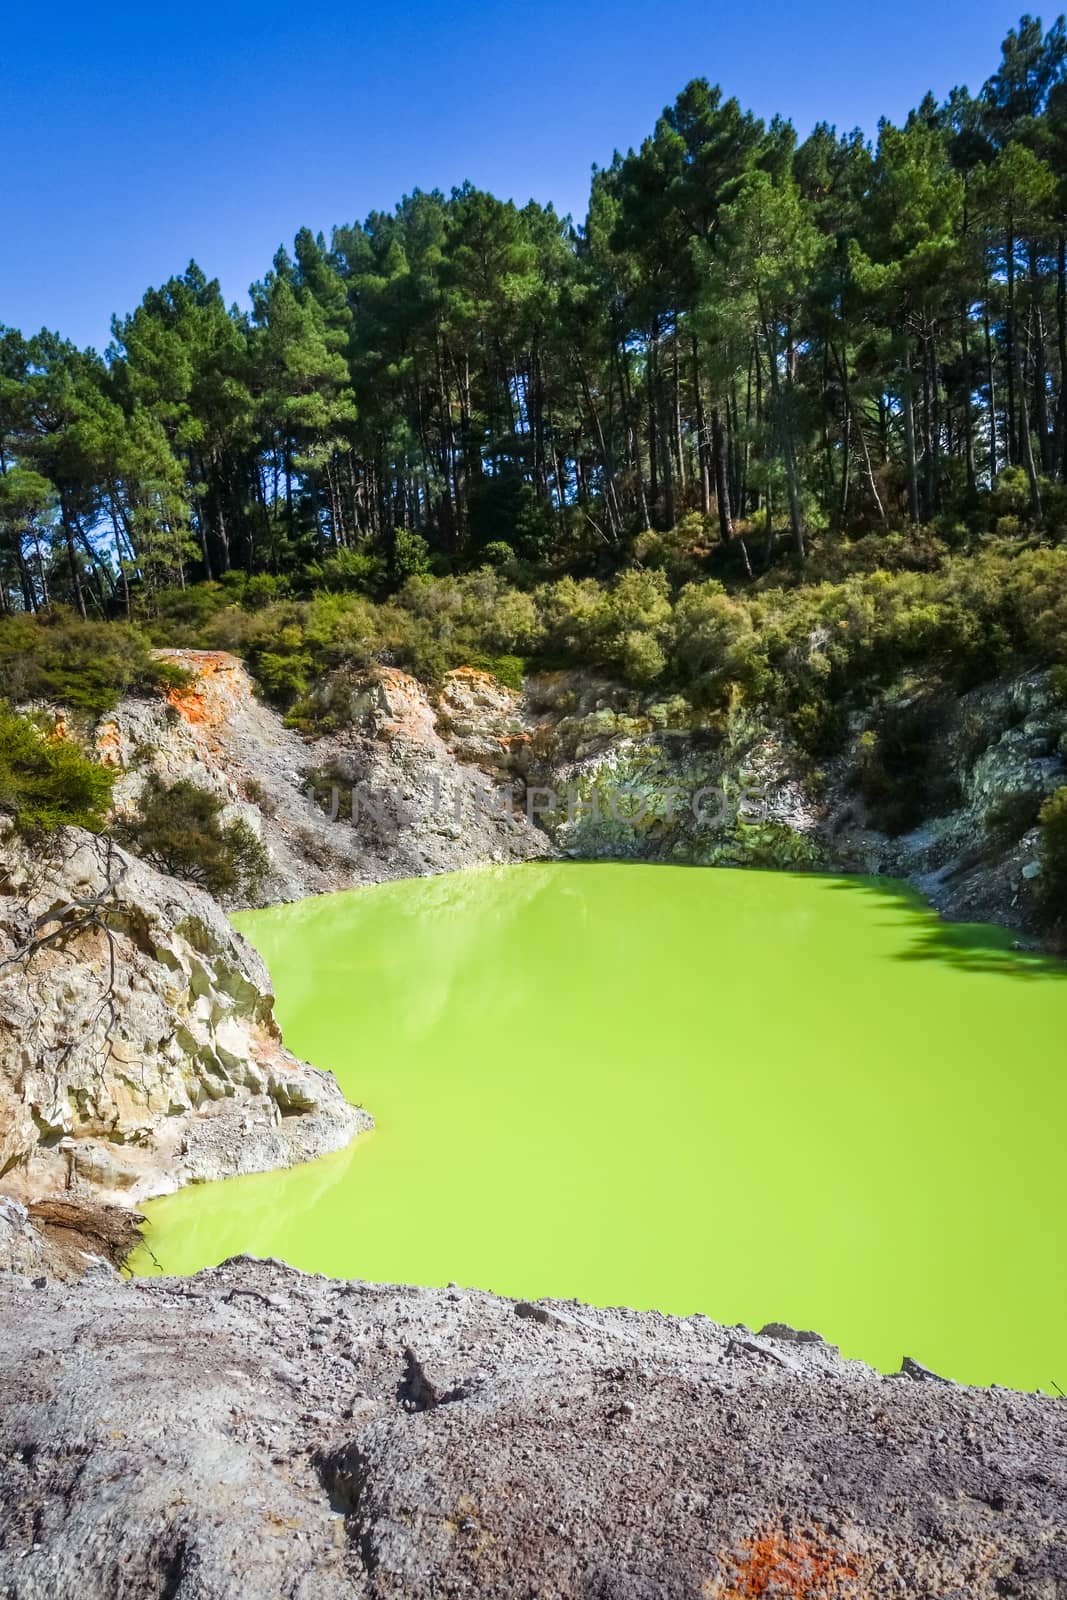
(784, 339)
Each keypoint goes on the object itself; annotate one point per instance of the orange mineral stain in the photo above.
(775, 1563)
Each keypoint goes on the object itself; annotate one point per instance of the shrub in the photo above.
(714, 643)
(680, 552)
(638, 657)
(573, 615)
(262, 589)
(1011, 493)
(47, 782)
(508, 670)
(411, 554)
(623, 629)
(498, 553)
(87, 666)
(504, 505)
(283, 672)
(179, 828)
(180, 615)
(1052, 850)
(257, 794)
(348, 569)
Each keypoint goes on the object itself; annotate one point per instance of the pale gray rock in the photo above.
(138, 1046)
(21, 1246)
(253, 1433)
(434, 768)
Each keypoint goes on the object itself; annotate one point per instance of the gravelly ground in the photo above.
(254, 1431)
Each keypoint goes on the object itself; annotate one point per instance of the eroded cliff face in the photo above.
(985, 762)
(138, 1046)
(474, 773)
(416, 782)
(994, 754)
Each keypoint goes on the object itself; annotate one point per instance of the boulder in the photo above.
(138, 1045)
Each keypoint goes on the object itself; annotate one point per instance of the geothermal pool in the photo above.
(762, 1096)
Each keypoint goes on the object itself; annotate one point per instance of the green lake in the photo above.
(762, 1096)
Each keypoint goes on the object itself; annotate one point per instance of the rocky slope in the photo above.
(985, 763)
(138, 1047)
(994, 754)
(253, 1433)
(296, 793)
(476, 773)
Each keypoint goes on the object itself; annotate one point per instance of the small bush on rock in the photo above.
(87, 666)
(179, 828)
(1053, 854)
(46, 781)
(507, 670)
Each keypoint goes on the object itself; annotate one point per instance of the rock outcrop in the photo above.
(597, 771)
(427, 783)
(217, 734)
(422, 805)
(644, 778)
(998, 752)
(253, 1433)
(138, 1046)
(65, 1236)
(405, 781)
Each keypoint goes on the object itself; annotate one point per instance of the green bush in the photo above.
(1053, 856)
(623, 629)
(179, 828)
(508, 670)
(498, 553)
(86, 666)
(47, 782)
(681, 552)
(901, 779)
(348, 569)
(715, 645)
(180, 616)
(411, 554)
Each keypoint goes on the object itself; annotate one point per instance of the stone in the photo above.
(157, 1061)
(153, 1446)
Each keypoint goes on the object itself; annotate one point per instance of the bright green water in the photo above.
(760, 1096)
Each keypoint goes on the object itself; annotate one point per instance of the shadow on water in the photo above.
(980, 947)
(970, 946)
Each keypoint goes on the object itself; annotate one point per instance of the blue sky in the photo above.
(134, 137)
